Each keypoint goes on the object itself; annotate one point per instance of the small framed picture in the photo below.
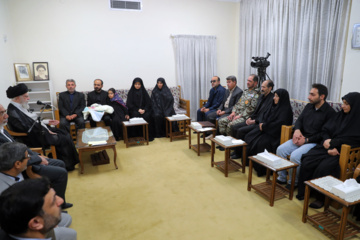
(41, 71)
(22, 72)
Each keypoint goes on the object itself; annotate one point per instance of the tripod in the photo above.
(262, 75)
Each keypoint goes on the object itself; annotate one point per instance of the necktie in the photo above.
(7, 135)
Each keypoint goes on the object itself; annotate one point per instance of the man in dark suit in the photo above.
(71, 105)
(53, 169)
(232, 96)
(99, 96)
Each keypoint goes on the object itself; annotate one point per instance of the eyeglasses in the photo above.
(2, 113)
(28, 156)
(212, 81)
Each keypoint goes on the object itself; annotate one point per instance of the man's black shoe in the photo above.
(300, 197)
(221, 148)
(66, 205)
(218, 147)
(316, 204)
(235, 156)
(288, 186)
(280, 182)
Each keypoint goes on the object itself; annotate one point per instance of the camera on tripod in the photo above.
(260, 62)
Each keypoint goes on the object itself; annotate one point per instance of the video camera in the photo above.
(260, 62)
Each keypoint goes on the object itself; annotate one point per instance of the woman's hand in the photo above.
(127, 117)
(141, 111)
(333, 152)
(260, 126)
(326, 143)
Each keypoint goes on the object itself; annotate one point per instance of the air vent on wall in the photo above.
(126, 5)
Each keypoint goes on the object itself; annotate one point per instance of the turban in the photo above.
(16, 91)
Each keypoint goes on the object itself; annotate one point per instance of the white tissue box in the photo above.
(346, 191)
(195, 125)
(179, 116)
(136, 120)
(269, 159)
(224, 139)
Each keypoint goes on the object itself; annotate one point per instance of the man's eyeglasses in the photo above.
(212, 81)
(2, 113)
(27, 156)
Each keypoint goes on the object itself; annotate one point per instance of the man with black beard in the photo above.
(307, 130)
(29, 210)
(99, 96)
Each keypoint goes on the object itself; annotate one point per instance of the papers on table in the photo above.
(205, 129)
(227, 140)
(94, 143)
(95, 135)
(348, 190)
(179, 117)
(136, 120)
(195, 125)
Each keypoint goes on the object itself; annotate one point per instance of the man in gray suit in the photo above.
(14, 159)
(232, 96)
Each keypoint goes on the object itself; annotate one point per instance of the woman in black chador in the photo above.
(267, 135)
(163, 106)
(323, 159)
(139, 105)
(119, 115)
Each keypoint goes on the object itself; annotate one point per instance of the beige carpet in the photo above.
(165, 191)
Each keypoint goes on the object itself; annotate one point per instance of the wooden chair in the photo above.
(51, 150)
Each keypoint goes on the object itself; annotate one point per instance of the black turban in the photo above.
(16, 91)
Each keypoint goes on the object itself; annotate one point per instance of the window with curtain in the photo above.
(196, 62)
(306, 39)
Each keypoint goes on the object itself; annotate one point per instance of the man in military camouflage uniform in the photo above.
(243, 108)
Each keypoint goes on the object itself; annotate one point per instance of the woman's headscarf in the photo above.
(138, 98)
(162, 100)
(117, 98)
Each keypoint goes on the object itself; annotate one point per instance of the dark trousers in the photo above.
(202, 116)
(239, 132)
(57, 175)
(65, 124)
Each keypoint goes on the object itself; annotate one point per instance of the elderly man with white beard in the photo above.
(22, 120)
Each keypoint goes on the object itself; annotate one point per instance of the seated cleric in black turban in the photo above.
(15, 91)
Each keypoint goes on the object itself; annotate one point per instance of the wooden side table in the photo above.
(228, 164)
(84, 147)
(203, 147)
(270, 189)
(172, 135)
(330, 221)
(136, 140)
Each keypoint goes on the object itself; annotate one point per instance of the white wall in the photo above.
(7, 76)
(351, 79)
(85, 40)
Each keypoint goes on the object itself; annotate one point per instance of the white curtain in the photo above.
(306, 39)
(195, 58)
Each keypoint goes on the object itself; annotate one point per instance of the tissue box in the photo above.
(224, 140)
(179, 116)
(136, 120)
(195, 125)
(346, 191)
(269, 159)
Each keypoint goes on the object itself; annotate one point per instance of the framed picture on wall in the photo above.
(41, 71)
(22, 72)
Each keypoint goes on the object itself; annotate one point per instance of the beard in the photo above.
(25, 105)
(50, 222)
